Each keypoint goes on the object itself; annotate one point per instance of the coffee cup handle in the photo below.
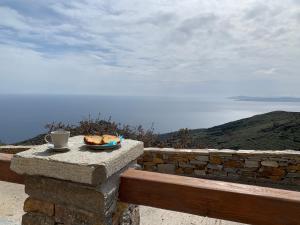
(46, 138)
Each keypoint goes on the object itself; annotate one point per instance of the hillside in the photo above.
(271, 131)
(274, 131)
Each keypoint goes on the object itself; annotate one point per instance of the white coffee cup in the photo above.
(59, 138)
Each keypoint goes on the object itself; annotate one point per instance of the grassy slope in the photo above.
(275, 131)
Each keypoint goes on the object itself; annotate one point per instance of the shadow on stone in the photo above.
(51, 151)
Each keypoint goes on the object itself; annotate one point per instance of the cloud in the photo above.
(269, 71)
(148, 47)
(10, 18)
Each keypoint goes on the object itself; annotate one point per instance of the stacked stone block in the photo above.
(278, 167)
(77, 187)
(53, 201)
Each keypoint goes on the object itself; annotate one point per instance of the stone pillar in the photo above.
(76, 187)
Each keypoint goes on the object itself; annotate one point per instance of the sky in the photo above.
(150, 48)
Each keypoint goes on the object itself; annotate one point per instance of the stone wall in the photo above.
(273, 167)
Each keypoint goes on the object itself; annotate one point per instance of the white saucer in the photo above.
(62, 149)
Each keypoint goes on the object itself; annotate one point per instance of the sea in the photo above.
(25, 116)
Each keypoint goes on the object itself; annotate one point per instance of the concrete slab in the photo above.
(155, 216)
(79, 164)
(12, 197)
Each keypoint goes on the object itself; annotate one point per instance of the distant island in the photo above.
(265, 99)
(276, 130)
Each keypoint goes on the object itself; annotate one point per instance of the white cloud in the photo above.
(12, 19)
(148, 47)
(269, 71)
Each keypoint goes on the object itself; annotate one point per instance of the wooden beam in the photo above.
(223, 200)
(6, 174)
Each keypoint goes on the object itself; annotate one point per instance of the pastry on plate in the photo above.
(110, 138)
(93, 140)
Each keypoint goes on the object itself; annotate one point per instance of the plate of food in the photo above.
(102, 142)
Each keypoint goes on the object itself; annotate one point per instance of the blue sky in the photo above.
(150, 47)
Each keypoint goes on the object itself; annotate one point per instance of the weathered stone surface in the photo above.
(38, 206)
(200, 172)
(214, 167)
(177, 158)
(121, 207)
(129, 215)
(297, 181)
(197, 162)
(186, 165)
(294, 175)
(37, 219)
(293, 167)
(233, 175)
(231, 170)
(147, 157)
(159, 155)
(249, 169)
(276, 178)
(149, 163)
(215, 160)
(74, 216)
(179, 171)
(271, 171)
(269, 163)
(217, 173)
(191, 156)
(166, 168)
(233, 164)
(283, 163)
(251, 163)
(203, 158)
(79, 164)
(278, 171)
(278, 159)
(150, 168)
(248, 174)
(188, 170)
(140, 160)
(201, 167)
(67, 193)
(157, 160)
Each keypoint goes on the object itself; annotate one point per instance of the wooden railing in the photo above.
(217, 199)
(6, 174)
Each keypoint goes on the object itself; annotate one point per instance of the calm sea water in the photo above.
(23, 117)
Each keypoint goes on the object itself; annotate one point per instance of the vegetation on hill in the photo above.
(99, 126)
(271, 131)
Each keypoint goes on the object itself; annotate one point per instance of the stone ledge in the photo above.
(79, 165)
(225, 151)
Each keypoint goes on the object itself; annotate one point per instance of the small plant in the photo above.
(101, 126)
(1, 143)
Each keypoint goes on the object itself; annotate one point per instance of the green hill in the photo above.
(273, 131)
